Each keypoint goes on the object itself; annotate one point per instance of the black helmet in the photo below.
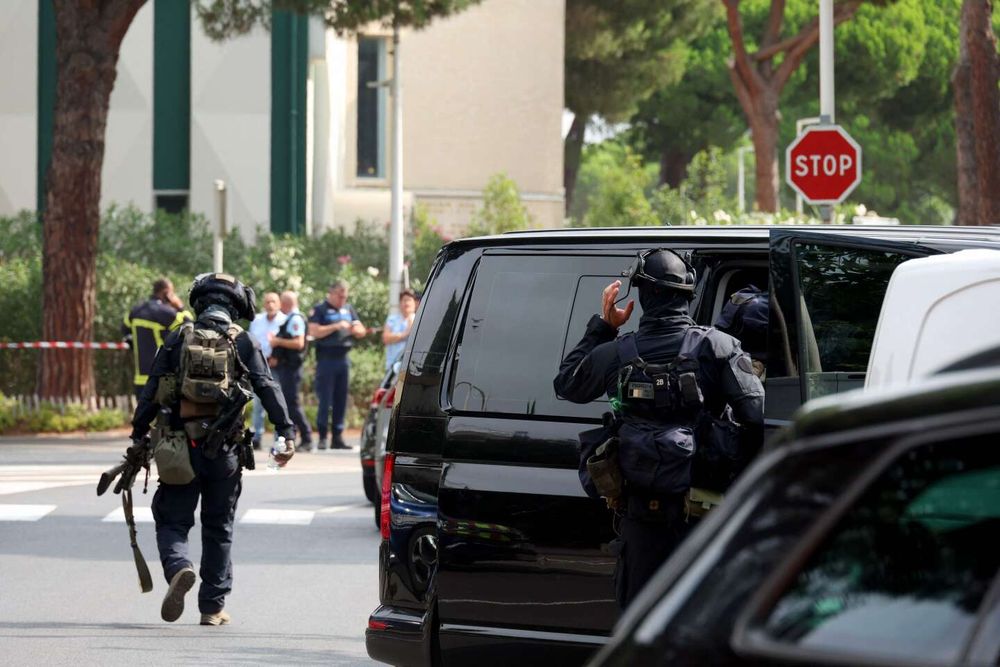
(223, 289)
(663, 267)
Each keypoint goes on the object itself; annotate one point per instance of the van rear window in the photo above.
(525, 313)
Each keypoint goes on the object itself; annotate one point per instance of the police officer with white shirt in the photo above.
(264, 324)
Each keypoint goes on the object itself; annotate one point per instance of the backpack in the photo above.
(690, 448)
(744, 317)
(208, 368)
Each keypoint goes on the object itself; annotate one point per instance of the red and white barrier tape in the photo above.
(63, 345)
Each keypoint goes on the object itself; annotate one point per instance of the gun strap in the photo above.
(145, 579)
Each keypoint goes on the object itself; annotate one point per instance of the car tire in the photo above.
(371, 490)
(378, 516)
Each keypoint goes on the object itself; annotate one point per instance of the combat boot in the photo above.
(173, 601)
(218, 618)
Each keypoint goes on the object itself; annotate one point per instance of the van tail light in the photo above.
(377, 398)
(391, 397)
(390, 463)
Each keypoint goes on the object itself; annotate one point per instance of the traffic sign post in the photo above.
(823, 164)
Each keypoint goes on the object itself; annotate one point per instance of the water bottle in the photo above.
(279, 447)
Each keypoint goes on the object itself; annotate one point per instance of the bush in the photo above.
(427, 240)
(612, 188)
(502, 210)
(136, 248)
(51, 418)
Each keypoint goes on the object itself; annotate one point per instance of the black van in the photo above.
(491, 551)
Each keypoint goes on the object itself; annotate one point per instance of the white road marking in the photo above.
(27, 478)
(24, 512)
(278, 517)
(141, 514)
(333, 509)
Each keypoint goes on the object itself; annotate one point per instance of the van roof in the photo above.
(913, 233)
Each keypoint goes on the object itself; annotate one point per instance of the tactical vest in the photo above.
(208, 369)
(286, 357)
(669, 442)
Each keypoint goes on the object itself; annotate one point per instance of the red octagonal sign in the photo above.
(823, 164)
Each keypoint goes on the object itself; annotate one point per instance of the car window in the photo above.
(904, 572)
(525, 313)
(840, 296)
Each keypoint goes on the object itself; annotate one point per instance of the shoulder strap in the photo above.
(693, 339)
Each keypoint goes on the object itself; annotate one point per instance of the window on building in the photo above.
(904, 574)
(371, 107)
(171, 202)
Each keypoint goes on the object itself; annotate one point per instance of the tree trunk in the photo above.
(965, 134)
(88, 38)
(673, 167)
(572, 149)
(764, 130)
(984, 71)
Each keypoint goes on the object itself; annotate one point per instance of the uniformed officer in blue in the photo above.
(148, 324)
(653, 510)
(333, 325)
(187, 390)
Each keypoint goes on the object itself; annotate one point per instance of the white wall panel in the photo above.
(127, 175)
(18, 104)
(231, 126)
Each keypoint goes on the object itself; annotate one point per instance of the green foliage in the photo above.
(367, 370)
(618, 53)
(703, 194)
(20, 236)
(894, 63)
(222, 19)
(502, 210)
(51, 418)
(612, 188)
(426, 241)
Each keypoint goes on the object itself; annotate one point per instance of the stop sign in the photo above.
(823, 164)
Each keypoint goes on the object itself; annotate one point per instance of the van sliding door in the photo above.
(826, 294)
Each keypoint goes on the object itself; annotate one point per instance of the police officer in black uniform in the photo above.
(218, 300)
(652, 526)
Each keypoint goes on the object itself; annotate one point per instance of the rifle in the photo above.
(228, 424)
(136, 457)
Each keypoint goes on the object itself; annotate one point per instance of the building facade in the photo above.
(296, 121)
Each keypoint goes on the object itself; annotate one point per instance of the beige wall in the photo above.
(18, 104)
(482, 94)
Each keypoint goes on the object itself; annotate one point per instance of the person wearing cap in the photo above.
(334, 325)
(653, 524)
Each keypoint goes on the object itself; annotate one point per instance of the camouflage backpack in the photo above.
(208, 368)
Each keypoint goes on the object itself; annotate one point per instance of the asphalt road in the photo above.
(305, 562)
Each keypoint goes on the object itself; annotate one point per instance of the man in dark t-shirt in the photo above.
(334, 325)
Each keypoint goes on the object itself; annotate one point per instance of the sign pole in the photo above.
(826, 93)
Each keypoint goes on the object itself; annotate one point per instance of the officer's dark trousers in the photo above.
(332, 377)
(290, 379)
(218, 483)
(649, 536)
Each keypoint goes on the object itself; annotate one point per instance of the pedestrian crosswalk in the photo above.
(252, 516)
